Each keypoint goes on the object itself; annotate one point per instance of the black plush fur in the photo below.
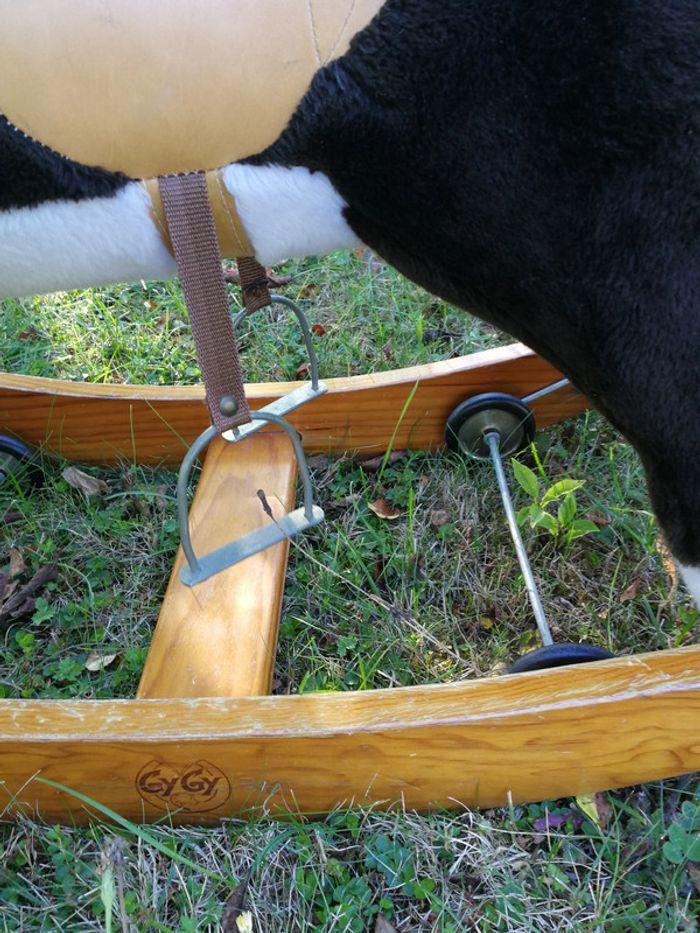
(31, 173)
(538, 162)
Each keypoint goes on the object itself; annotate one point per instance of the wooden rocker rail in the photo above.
(482, 743)
(203, 741)
(156, 424)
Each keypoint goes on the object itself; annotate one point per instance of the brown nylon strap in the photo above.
(256, 293)
(192, 232)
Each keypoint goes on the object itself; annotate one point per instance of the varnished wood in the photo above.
(155, 424)
(218, 638)
(482, 743)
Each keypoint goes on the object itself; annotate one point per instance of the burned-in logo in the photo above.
(196, 787)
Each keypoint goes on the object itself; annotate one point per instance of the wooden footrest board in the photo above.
(218, 638)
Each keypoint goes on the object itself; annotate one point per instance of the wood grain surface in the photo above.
(155, 424)
(218, 638)
(482, 743)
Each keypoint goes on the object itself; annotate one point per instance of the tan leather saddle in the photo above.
(155, 87)
(168, 92)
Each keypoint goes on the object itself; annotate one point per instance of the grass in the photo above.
(432, 596)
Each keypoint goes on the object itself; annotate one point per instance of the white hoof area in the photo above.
(691, 576)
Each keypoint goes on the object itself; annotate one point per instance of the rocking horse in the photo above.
(533, 162)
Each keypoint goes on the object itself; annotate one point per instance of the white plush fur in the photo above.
(288, 211)
(691, 576)
(73, 244)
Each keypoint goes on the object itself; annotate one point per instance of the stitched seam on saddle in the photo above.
(67, 158)
(330, 55)
(38, 142)
(229, 213)
(314, 35)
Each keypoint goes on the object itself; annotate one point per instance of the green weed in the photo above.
(562, 525)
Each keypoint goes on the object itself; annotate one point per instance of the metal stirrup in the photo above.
(200, 568)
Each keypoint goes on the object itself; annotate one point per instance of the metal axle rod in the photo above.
(547, 390)
(494, 442)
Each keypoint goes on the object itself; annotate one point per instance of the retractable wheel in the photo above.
(558, 655)
(492, 426)
(491, 413)
(17, 458)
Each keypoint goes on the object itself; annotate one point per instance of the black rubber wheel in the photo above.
(558, 655)
(17, 458)
(492, 412)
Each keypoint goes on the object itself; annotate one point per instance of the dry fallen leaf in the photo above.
(382, 925)
(374, 464)
(21, 603)
(605, 810)
(89, 485)
(587, 804)
(366, 255)
(318, 329)
(235, 918)
(694, 875)
(161, 497)
(597, 808)
(98, 662)
(384, 509)
(9, 581)
(598, 517)
(632, 590)
(303, 371)
(17, 565)
(439, 517)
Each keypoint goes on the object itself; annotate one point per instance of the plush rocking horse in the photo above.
(537, 163)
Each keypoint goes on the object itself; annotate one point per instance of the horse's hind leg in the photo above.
(674, 485)
(691, 575)
(654, 399)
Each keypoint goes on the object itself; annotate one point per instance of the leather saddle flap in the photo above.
(153, 87)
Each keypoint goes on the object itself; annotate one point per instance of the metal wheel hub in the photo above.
(491, 413)
(15, 457)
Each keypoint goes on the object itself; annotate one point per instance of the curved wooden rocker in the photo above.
(156, 424)
(202, 741)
